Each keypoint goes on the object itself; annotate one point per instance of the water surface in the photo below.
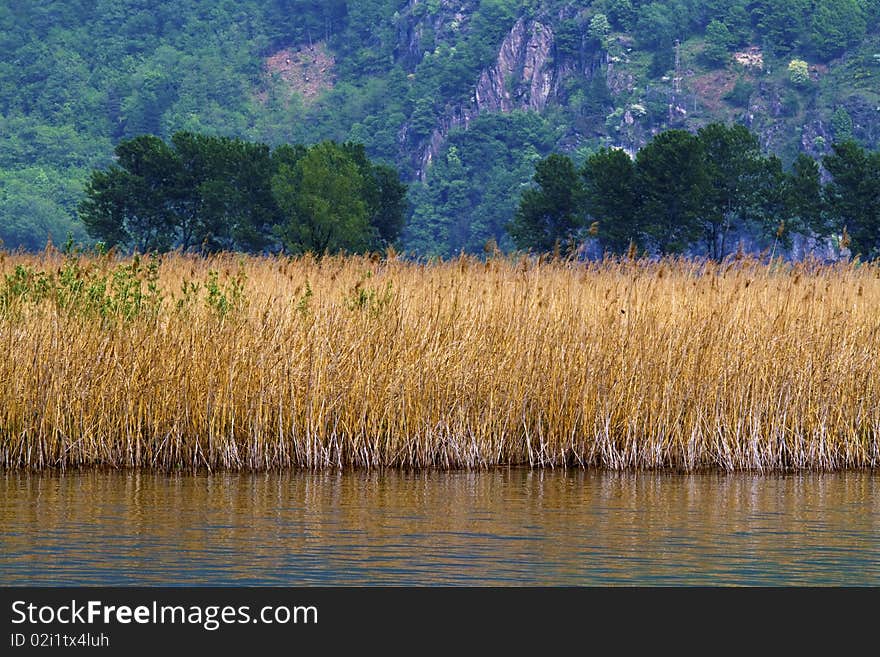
(501, 527)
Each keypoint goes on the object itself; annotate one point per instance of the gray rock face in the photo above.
(522, 77)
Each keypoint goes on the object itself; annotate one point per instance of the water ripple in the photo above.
(497, 528)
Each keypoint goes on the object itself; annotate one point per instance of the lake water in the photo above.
(501, 527)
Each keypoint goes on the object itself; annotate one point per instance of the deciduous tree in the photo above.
(321, 198)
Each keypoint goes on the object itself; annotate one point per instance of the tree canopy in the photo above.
(552, 211)
(698, 194)
(853, 195)
(217, 193)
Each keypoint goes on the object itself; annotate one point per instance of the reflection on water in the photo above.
(505, 527)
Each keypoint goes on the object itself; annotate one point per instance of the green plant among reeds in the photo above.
(254, 363)
(24, 285)
(224, 298)
(303, 304)
(364, 298)
(123, 292)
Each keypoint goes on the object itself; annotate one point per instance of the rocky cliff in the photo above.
(522, 77)
(549, 58)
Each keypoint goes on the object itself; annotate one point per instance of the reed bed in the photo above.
(234, 362)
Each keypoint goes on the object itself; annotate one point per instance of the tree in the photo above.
(741, 93)
(738, 21)
(783, 22)
(803, 195)
(718, 43)
(842, 125)
(198, 192)
(472, 188)
(321, 198)
(568, 38)
(772, 208)
(853, 195)
(733, 164)
(35, 207)
(551, 212)
(384, 195)
(672, 182)
(835, 26)
(126, 205)
(657, 27)
(610, 193)
(217, 193)
(221, 193)
(599, 29)
(798, 72)
(621, 13)
(387, 204)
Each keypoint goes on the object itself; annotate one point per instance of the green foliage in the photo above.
(189, 292)
(568, 38)
(303, 304)
(735, 169)
(656, 26)
(791, 103)
(82, 76)
(719, 41)
(798, 72)
(227, 297)
(599, 29)
(783, 23)
(738, 20)
(120, 293)
(741, 93)
(383, 194)
(853, 195)
(835, 26)
(551, 212)
(711, 187)
(673, 185)
(369, 300)
(37, 204)
(217, 193)
(198, 191)
(842, 125)
(472, 188)
(321, 199)
(621, 13)
(610, 193)
(805, 206)
(25, 285)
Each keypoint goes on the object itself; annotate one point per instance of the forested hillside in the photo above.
(463, 98)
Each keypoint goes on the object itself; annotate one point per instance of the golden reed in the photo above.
(236, 362)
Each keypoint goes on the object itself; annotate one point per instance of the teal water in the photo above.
(501, 527)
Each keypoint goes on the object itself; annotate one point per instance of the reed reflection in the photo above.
(504, 527)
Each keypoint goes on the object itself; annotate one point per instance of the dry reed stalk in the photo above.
(356, 361)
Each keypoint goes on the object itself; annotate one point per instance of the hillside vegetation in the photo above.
(463, 98)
